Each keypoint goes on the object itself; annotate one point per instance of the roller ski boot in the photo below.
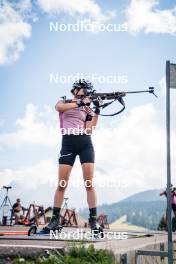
(96, 229)
(53, 225)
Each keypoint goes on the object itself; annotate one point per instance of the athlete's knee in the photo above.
(62, 185)
(88, 185)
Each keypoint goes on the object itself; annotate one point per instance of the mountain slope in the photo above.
(143, 209)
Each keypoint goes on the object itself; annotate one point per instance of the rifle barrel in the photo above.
(143, 91)
(113, 95)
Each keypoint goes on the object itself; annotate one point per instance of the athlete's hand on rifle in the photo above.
(82, 102)
(97, 103)
(97, 111)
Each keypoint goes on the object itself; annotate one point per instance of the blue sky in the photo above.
(140, 53)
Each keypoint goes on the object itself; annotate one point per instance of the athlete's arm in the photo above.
(90, 125)
(61, 107)
(163, 193)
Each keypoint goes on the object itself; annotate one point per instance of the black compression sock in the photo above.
(56, 211)
(93, 213)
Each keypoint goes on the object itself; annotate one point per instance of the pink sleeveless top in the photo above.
(74, 119)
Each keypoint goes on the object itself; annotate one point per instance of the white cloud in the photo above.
(43, 172)
(162, 92)
(162, 86)
(36, 128)
(13, 31)
(134, 150)
(143, 15)
(76, 7)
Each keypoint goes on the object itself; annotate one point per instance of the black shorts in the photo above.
(73, 145)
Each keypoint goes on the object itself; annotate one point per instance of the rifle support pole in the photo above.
(169, 211)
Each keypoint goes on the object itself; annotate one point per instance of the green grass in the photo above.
(75, 255)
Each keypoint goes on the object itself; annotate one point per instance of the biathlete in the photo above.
(173, 205)
(76, 116)
(173, 198)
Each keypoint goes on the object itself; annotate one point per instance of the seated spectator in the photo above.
(18, 212)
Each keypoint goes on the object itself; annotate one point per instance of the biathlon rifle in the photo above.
(112, 96)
